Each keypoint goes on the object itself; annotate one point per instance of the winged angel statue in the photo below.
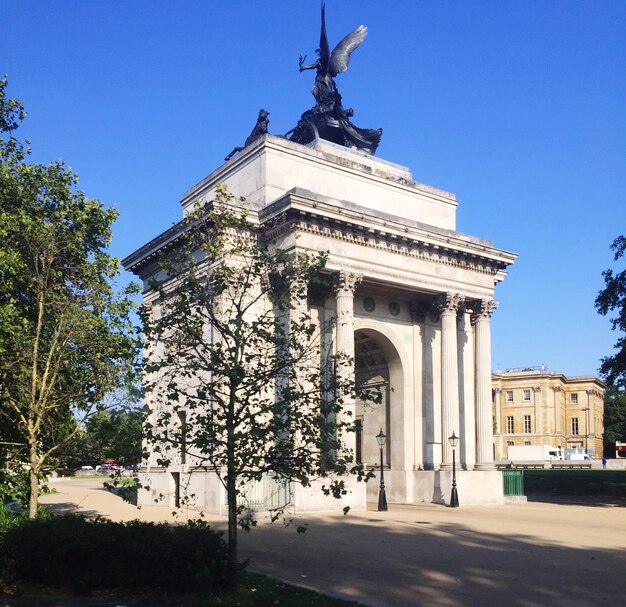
(328, 119)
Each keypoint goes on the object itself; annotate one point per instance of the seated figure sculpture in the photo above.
(260, 128)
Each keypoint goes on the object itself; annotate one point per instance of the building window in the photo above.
(182, 421)
(574, 398)
(510, 425)
(510, 443)
(526, 395)
(527, 443)
(509, 396)
(527, 429)
(574, 425)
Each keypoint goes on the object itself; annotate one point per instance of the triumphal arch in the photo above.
(414, 294)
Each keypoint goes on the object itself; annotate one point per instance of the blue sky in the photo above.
(518, 107)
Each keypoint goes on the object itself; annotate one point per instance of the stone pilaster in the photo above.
(498, 410)
(484, 424)
(448, 305)
(537, 424)
(345, 287)
(591, 430)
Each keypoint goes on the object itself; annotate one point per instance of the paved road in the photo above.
(528, 555)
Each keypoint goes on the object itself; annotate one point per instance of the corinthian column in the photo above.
(448, 304)
(483, 310)
(344, 343)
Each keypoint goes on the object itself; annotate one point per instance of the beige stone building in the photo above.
(540, 407)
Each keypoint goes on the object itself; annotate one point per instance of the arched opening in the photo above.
(377, 366)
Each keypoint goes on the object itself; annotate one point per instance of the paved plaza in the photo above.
(530, 554)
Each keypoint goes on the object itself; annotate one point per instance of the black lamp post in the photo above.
(382, 498)
(454, 497)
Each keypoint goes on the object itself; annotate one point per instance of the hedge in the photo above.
(91, 555)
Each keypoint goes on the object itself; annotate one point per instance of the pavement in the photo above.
(533, 554)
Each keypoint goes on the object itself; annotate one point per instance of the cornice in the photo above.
(152, 250)
(297, 213)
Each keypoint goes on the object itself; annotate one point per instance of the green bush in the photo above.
(8, 519)
(576, 482)
(93, 555)
(14, 486)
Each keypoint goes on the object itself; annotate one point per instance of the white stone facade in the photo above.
(413, 302)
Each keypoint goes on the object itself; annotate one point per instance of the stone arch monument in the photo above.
(414, 294)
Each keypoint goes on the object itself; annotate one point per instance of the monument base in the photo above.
(435, 486)
(202, 491)
(473, 487)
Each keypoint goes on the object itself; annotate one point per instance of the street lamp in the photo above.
(586, 410)
(454, 497)
(382, 498)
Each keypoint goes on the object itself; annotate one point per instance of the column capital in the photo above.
(449, 303)
(418, 309)
(346, 282)
(482, 309)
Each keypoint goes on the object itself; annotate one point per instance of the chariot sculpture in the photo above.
(328, 119)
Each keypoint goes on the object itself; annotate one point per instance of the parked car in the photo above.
(108, 467)
(86, 467)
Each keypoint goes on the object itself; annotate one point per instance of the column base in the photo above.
(447, 467)
(485, 466)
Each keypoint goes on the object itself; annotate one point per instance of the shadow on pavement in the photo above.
(62, 508)
(602, 501)
(429, 563)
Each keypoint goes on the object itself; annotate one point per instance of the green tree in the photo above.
(614, 419)
(66, 337)
(115, 434)
(233, 370)
(613, 299)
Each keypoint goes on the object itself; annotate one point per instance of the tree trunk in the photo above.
(33, 496)
(233, 554)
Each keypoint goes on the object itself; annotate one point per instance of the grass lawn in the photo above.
(576, 482)
(258, 589)
(254, 590)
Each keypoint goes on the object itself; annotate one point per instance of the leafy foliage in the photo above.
(614, 419)
(65, 332)
(613, 299)
(113, 433)
(8, 519)
(14, 485)
(240, 379)
(134, 556)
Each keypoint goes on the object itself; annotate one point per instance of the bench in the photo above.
(528, 465)
(569, 464)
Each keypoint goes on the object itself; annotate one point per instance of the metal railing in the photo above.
(270, 492)
(513, 482)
